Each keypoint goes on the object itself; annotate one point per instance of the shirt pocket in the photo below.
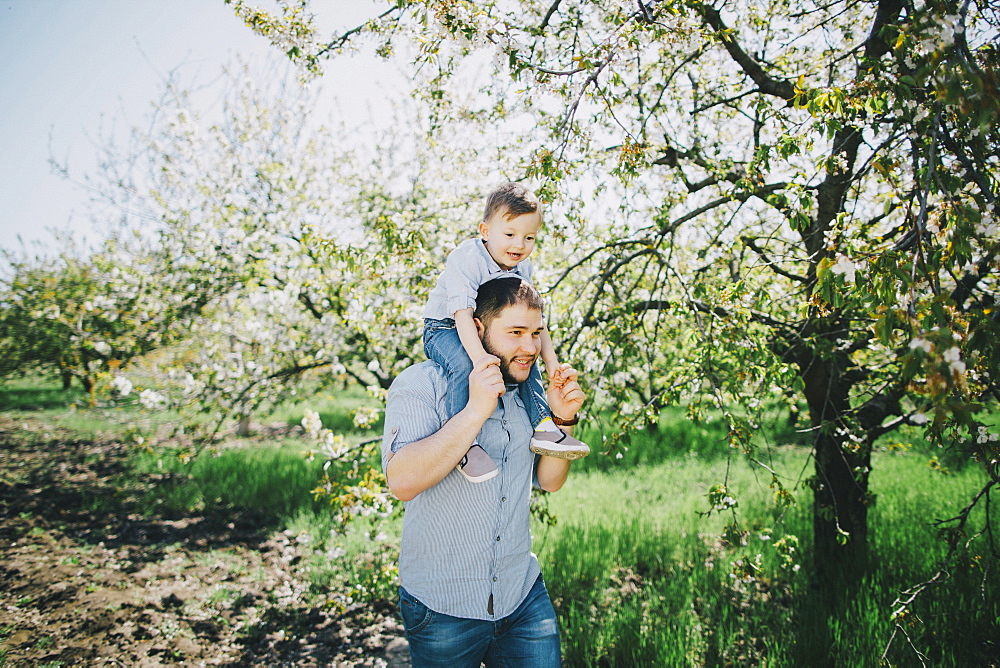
(495, 436)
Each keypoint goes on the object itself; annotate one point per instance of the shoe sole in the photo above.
(559, 454)
(479, 478)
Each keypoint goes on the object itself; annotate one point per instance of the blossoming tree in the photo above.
(780, 198)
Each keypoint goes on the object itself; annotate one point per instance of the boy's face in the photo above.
(509, 241)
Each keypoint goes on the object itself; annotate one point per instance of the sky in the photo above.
(74, 69)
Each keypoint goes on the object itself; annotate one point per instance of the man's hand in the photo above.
(485, 386)
(565, 397)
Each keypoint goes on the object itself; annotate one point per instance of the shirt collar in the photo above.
(492, 266)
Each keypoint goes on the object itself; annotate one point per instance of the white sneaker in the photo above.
(558, 444)
(477, 466)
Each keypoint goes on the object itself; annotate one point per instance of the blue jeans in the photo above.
(442, 345)
(528, 638)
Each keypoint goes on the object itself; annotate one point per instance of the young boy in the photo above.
(510, 225)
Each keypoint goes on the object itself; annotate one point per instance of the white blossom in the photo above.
(121, 385)
(152, 399)
(312, 423)
(952, 356)
(844, 266)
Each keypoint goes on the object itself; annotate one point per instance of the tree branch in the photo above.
(888, 10)
(766, 83)
(719, 201)
(548, 16)
(346, 37)
(752, 245)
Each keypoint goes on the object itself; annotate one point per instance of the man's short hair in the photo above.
(511, 197)
(496, 295)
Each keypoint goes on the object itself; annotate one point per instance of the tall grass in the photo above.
(640, 577)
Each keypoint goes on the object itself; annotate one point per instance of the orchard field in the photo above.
(770, 247)
(116, 552)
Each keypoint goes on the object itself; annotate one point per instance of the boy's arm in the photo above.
(468, 335)
(550, 359)
(565, 402)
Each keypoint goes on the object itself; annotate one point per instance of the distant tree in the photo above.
(90, 316)
(34, 332)
(788, 198)
(308, 244)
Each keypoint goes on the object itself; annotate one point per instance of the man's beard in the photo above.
(504, 361)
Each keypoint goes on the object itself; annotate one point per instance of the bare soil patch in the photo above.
(79, 587)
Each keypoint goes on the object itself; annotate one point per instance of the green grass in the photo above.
(27, 394)
(270, 482)
(638, 573)
(640, 578)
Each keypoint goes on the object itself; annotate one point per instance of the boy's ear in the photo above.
(484, 230)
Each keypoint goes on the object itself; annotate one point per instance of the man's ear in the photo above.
(480, 327)
(484, 230)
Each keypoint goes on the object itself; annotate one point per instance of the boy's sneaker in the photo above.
(477, 466)
(558, 444)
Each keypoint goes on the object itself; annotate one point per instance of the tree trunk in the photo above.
(244, 427)
(840, 510)
(841, 498)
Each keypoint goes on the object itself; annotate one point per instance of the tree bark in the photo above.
(840, 486)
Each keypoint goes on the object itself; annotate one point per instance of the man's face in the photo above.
(514, 337)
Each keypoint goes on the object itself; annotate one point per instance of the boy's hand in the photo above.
(565, 400)
(556, 377)
(485, 386)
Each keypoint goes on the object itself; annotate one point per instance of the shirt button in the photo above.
(498, 539)
(503, 499)
(494, 578)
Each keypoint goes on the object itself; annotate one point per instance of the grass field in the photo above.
(638, 573)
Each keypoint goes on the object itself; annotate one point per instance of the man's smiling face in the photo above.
(514, 337)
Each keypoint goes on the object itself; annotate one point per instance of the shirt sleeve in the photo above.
(412, 410)
(463, 274)
(525, 269)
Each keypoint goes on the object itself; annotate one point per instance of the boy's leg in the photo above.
(548, 439)
(532, 393)
(442, 345)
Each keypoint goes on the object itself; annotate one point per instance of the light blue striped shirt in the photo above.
(465, 544)
(467, 267)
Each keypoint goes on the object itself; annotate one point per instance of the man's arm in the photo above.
(565, 401)
(422, 464)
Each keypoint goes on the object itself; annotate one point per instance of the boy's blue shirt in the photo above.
(467, 267)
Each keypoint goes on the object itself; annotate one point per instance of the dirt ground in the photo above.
(77, 588)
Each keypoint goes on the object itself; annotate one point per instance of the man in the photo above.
(471, 590)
